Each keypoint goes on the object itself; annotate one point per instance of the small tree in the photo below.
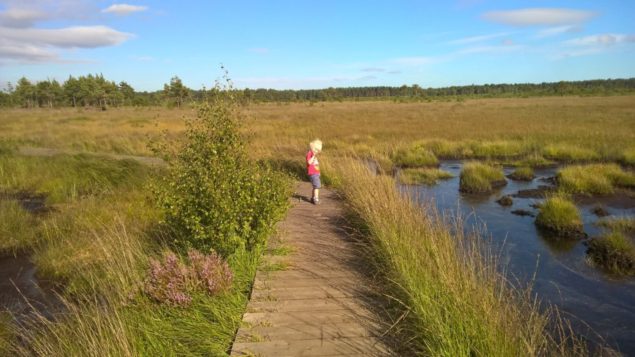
(214, 196)
(176, 93)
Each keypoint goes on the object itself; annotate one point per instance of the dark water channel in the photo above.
(563, 275)
(22, 292)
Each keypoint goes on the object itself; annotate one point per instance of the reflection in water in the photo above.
(563, 276)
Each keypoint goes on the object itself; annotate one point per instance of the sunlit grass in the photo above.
(594, 179)
(524, 173)
(478, 177)
(425, 176)
(559, 215)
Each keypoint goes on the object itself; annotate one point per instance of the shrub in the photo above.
(426, 176)
(559, 215)
(524, 173)
(172, 282)
(416, 156)
(569, 153)
(480, 178)
(167, 281)
(214, 195)
(594, 179)
(614, 252)
(210, 271)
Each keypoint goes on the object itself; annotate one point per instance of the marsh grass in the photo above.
(559, 215)
(569, 153)
(457, 303)
(614, 252)
(621, 224)
(425, 176)
(628, 157)
(478, 177)
(18, 228)
(63, 178)
(524, 173)
(416, 156)
(594, 179)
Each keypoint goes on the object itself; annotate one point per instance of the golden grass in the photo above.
(501, 128)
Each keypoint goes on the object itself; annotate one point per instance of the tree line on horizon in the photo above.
(96, 91)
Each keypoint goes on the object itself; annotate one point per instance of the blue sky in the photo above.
(317, 44)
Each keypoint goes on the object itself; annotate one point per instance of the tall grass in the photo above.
(594, 179)
(18, 228)
(459, 303)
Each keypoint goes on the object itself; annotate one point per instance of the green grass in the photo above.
(614, 252)
(6, 333)
(621, 224)
(478, 177)
(457, 302)
(416, 156)
(594, 179)
(425, 176)
(18, 228)
(628, 157)
(569, 153)
(524, 173)
(559, 215)
(64, 178)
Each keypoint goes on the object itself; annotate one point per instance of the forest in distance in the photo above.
(97, 91)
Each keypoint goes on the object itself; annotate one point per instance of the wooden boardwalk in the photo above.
(316, 300)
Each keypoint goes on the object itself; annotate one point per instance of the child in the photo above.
(313, 169)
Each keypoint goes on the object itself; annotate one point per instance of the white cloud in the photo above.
(606, 39)
(26, 53)
(539, 16)
(555, 31)
(22, 42)
(123, 9)
(16, 17)
(69, 37)
(474, 39)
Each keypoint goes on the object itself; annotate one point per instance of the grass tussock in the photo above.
(622, 224)
(614, 252)
(458, 303)
(559, 215)
(594, 179)
(416, 156)
(18, 228)
(524, 173)
(423, 176)
(480, 178)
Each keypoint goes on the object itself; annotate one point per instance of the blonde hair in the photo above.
(316, 145)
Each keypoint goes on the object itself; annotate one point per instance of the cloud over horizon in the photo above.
(123, 9)
(539, 16)
(22, 42)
